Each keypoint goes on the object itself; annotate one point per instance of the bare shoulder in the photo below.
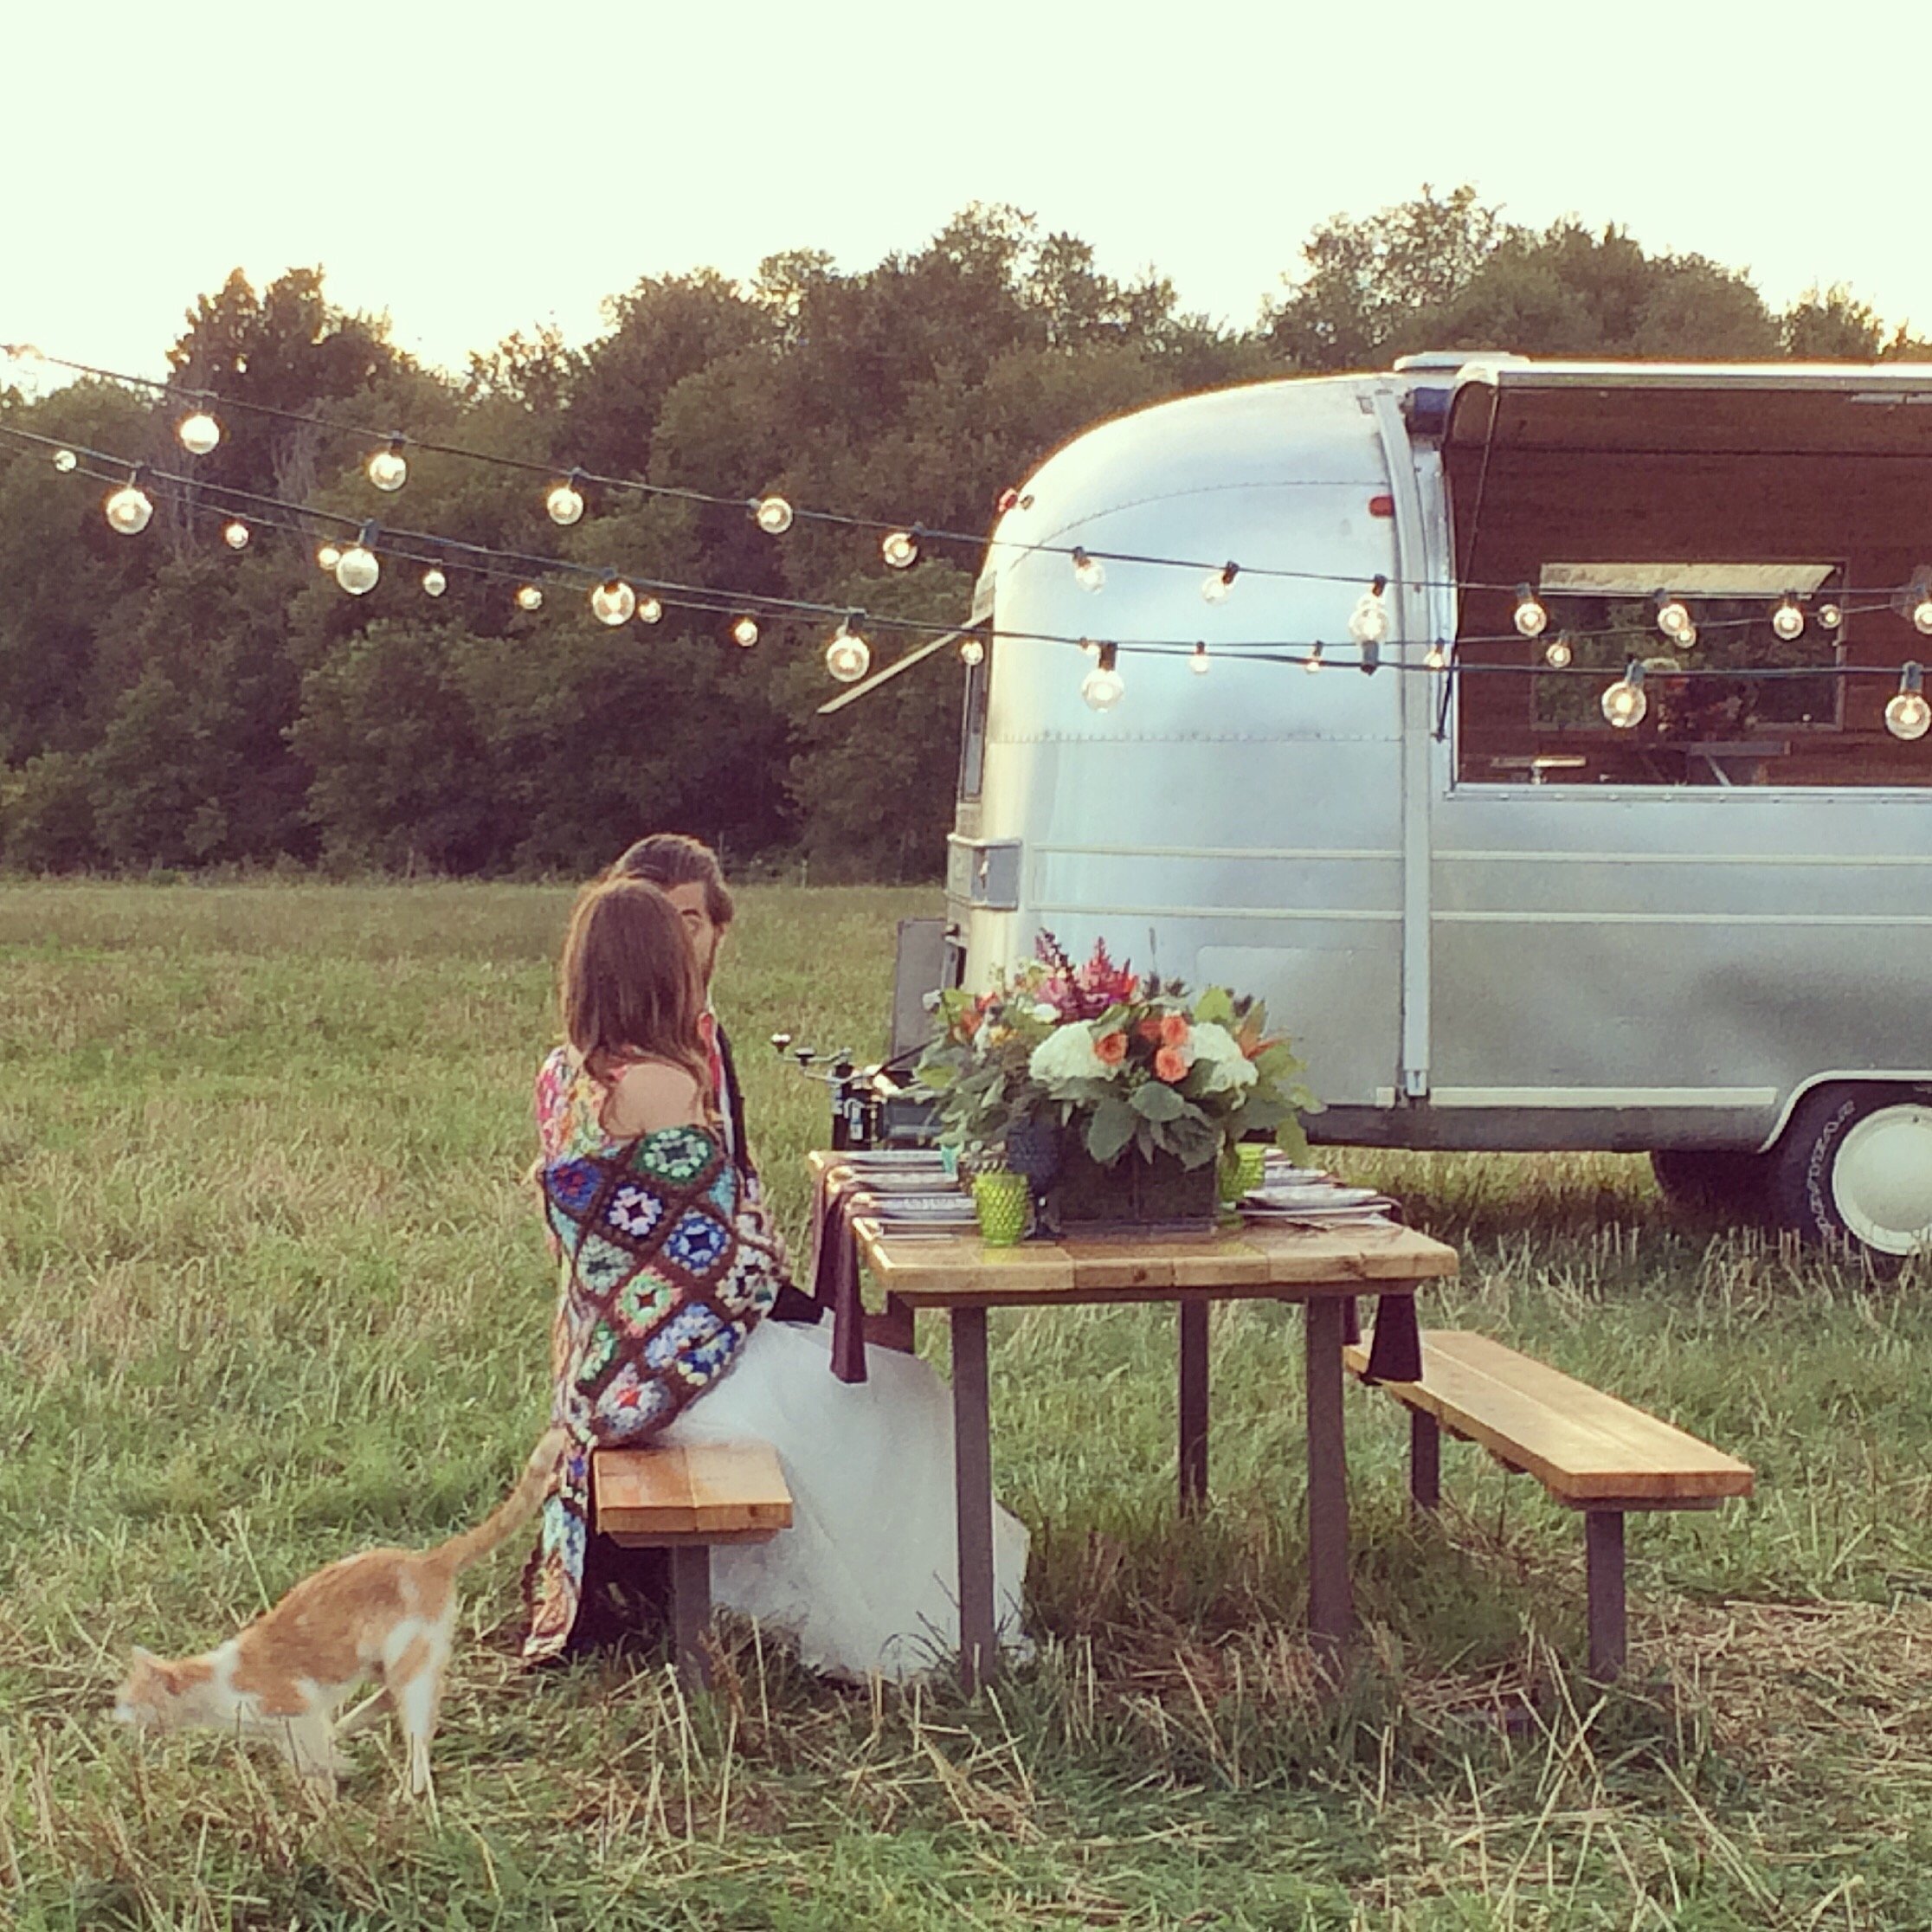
(650, 1094)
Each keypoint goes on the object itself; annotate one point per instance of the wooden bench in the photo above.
(684, 1497)
(1587, 1449)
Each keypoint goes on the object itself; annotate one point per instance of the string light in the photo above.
(199, 432)
(613, 602)
(773, 515)
(1103, 687)
(1530, 617)
(235, 535)
(388, 469)
(65, 462)
(1687, 636)
(1673, 618)
(129, 509)
(1922, 611)
(1197, 661)
(329, 555)
(1089, 572)
(1368, 620)
(1830, 615)
(900, 548)
(648, 610)
(1312, 662)
(1788, 620)
(971, 651)
(848, 657)
(1557, 652)
(1217, 583)
(1908, 715)
(433, 582)
(1091, 649)
(564, 504)
(744, 633)
(529, 597)
(357, 569)
(1626, 701)
(1436, 656)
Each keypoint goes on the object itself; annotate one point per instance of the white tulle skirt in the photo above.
(866, 1578)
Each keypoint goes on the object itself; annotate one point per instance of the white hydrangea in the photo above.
(1067, 1054)
(1228, 1067)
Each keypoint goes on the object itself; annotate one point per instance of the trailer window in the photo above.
(972, 735)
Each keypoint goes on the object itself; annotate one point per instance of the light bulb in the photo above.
(1556, 653)
(199, 432)
(1686, 637)
(648, 610)
(1909, 716)
(1089, 573)
(388, 469)
(1312, 662)
(1217, 583)
(564, 504)
(848, 657)
(235, 535)
(1788, 619)
(65, 462)
(128, 509)
(1922, 614)
(529, 597)
(1103, 687)
(773, 515)
(744, 633)
(1435, 657)
(613, 602)
(1673, 618)
(1088, 644)
(328, 556)
(1626, 701)
(900, 548)
(356, 570)
(433, 582)
(1830, 615)
(1531, 619)
(1368, 620)
(1197, 662)
(972, 652)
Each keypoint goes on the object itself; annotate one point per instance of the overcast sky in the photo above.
(473, 169)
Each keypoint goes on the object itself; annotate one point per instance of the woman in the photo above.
(660, 1333)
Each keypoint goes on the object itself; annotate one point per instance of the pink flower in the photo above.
(1112, 1048)
(1171, 1065)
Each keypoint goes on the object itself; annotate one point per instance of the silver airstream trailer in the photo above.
(1490, 918)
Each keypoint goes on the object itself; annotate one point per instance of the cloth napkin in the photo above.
(836, 1198)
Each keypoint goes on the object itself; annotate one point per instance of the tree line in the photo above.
(166, 702)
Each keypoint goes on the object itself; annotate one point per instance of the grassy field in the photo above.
(270, 1288)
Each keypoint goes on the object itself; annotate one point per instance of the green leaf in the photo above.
(1110, 1129)
(1215, 1006)
(1158, 1101)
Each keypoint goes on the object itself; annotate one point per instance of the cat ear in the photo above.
(143, 1659)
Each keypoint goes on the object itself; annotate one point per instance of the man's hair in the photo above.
(669, 858)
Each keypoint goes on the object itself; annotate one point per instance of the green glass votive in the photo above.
(1242, 1169)
(1002, 1201)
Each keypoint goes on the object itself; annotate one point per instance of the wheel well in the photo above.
(1917, 1084)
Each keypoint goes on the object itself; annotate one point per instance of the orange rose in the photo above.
(1171, 1064)
(1149, 1029)
(1173, 1030)
(1112, 1048)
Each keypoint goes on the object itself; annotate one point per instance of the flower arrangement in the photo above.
(1128, 1064)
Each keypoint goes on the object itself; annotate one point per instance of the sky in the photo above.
(475, 169)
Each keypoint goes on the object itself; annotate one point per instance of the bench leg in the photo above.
(1330, 1605)
(973, 1498)
(691, 1609)
(1425, 1461)
(1603, 1534)
(1194, 1407)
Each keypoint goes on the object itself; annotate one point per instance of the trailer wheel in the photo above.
(1721, 1182)
(1854, 1168)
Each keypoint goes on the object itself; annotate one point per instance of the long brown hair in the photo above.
(627, 985)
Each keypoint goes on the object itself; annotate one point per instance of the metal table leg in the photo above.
(1194, 1407)
(1331, 1606)
(973, 1493)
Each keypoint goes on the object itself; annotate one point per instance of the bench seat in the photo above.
(683, 1498)
(1589, 1450)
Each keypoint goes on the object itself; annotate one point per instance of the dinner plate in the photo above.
(927, 1207)
(894, 1157)
(889, 1181)
(1299, 1200)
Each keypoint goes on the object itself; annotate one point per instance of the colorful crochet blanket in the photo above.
(663, 1279)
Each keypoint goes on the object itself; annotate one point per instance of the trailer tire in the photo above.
(1726, 1182)
(1853, 1170)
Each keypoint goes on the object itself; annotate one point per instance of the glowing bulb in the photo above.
(199, 432)
(613, 602)
(848, 657)
(1556, 653)
(1788, 619)
(1531, 619)
(1198, 661)
(744, 633)
(648, 610)
(328, 556)
(1922, 614)
(1103, 687)
(1626, 701)
(65, 462)
(1435, 657)
(356, 570)
(900, 549)
(433, 582)
(1368, 620)
(1091, 649)
(564, 504)
(235, 535)
(1090, 574)
(773, 515)
(388, 469)
(128, 509)
(529, 597)
(1673, 618)
(1217, 583)
(1830, 615)
(1686, 637)
(1909, 716)
(1312, 662)
(972, 652)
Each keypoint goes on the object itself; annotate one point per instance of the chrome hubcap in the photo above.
(1882, 1179)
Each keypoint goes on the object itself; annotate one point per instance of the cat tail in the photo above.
(510, 1514)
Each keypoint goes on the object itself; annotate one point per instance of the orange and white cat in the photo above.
(386, 1613)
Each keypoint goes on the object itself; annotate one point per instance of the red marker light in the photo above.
(1381, 506)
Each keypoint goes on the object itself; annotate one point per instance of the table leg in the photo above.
(1194, 1407)
(1330, 1608)
(973, 1498)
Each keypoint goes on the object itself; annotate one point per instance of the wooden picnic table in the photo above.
(1323, 1268)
